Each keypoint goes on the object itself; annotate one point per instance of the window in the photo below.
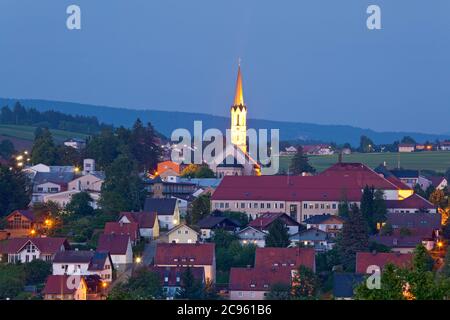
(221, 205)
(242, 205)
(322, 206)
(255, 205)
(268, 206)
(262, 205)
(281, 205)
(334, 206)
(240, 294)
(316, 206)
(227, 205)
(305, 206)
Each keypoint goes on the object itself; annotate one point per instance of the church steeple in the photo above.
(239, 95)
(239, 116)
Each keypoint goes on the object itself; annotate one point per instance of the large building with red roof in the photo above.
(28, 249)
(303, 196)
(187, 255)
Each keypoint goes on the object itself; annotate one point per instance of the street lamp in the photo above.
(138, 260)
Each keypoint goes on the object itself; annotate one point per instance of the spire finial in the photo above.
(239, 95)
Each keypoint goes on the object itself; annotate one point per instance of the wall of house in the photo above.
(247, 295)
(88, 182)
(70, 268)
(183, 235)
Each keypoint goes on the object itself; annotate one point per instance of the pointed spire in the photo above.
(239, 96)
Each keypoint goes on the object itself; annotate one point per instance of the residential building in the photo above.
(439, 182)
(120, 249)
(130, 229)
(211, 223)
(187, 255)
(311, 238)
(28, 249)
(166, 210)
(250, 235)
(64, 287)
(147, 222)
(330, 224)
(412, 204)
(265, 220)
(286, 257)
(182, 234)
(90, 182)
(75, 143)
(406, 147)
(364, 260)
(20, 223)
(84, 263)
(172, 278)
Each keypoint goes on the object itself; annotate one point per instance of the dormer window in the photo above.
(175, 259)
(252, 285)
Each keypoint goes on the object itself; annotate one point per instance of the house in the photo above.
(403, 243)
(90, 182)
(183, 234)
(412, 204)
(45, 183)
(439, 182)
(364, 260)
(406, 147)
(286, 257)
(166, 210)
(211, 223)
(147, 222)
(20, 223)
(301, 197)
(255, 283)
(119, 247)
(130, 229)
(84, 263)
(344, 285)
(265, 220)
(75, 143)
(187, 255)
(64, 287)
(172, 278)
(409, 177)
(63, 198)
(311, 238)
(318, 150)
(330, 224)
(250, 235)
(28, 249)
(445, 146)
(171, 166)
(157, 188)
(425, 224)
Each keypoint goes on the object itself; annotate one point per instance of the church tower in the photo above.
(239, 116)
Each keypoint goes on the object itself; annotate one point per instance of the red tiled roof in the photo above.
(130, 229)
(264, 220)
(115, 244)
(60, 284)
(413, 202)
(380, 259)
(143, 219)
(399, 183)
(178, 254)
(436, 180)
(171, 274)
(341, 180)
(44, 245)
(258, 278)
(285, 257)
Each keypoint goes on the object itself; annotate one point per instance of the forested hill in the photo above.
(165, 122)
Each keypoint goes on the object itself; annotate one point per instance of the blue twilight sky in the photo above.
(302, 60)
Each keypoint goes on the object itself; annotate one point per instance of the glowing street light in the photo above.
(33, 232)
(138, 260)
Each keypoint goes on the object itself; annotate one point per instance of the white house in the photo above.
(183, 234)
(250, 235)
(28, 249)
(88, 182)
(63, 198)
(83, 263)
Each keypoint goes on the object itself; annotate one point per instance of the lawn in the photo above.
(27, 133)
(435, 160)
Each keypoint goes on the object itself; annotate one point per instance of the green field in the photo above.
(435, 160)
(27, 133)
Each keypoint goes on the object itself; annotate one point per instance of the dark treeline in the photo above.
(19, 115)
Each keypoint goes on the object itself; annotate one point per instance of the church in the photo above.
(236, 160)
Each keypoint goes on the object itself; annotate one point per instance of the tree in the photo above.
(200, 208)
(37, 271)
(6, 149)
(299, 163)
(306, 283)
(12, 280)
(103, 148)
(438, 198)
(373, 208)
(143, 285)
(44, 150)
(123, 189)
(408, 140)
(354, 238)
(366, 144)
(204, 172)
(422, 260)
(14, 190)
(143, 146)
(392, 284)
(446, 268)
(223, 239)
(278, 235)
(80, 204)
(279, 291)
(190, 171)
(191, 288)
(343, 209)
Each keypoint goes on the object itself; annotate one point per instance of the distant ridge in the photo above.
(167, 121)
